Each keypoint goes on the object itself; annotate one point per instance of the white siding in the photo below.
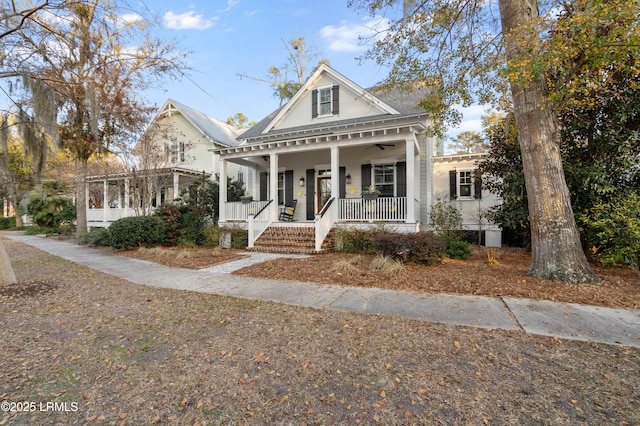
(352, 105)
(470, 208)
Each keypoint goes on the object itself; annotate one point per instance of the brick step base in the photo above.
(280, 239)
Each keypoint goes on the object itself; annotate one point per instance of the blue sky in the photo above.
(232, 37)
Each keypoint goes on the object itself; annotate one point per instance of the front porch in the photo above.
(328, 179)
(138, 193)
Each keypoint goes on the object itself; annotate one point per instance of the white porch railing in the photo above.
(381, 209)
(107, 216)
(236, 211)
(324, 221)
(258, 222)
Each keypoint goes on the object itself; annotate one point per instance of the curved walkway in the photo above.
(562, 320)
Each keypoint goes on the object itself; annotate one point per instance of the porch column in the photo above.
(105, 200)
(176, 186)
(335, 173)
(86, 195)
(126, 193)
(426, 216)
(411, 180)
(273, 184)
(119, 194)
(222, 196)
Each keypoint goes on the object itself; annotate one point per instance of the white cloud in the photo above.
(187, 21)
(230, 4)
(131, 17)
(349, 37)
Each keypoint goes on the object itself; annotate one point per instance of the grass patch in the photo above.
(348, 266)
(386, 265)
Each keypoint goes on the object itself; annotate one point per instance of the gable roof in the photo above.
(215, 130)
(396, 102)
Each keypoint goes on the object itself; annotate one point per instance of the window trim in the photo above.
(328, 102)
(333, 102)
(471, 183)
(393, 174)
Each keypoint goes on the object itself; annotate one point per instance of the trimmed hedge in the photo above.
(130, 232)
(423, 247)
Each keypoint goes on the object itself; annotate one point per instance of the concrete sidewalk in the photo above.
(562, 320)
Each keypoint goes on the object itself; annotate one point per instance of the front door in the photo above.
(324, 191)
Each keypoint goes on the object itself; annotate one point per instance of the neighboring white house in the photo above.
(323, 150)
(175, 151)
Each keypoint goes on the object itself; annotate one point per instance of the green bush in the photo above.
(130, 232)
(422, 247)
(7, 222)
(100, 237)
(40, 230)
(51, 211)
(183, 224)
(616, 227)
(212, 236)
(357, 240)
(456, 248)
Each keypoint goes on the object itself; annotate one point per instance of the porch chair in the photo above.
(287, 212)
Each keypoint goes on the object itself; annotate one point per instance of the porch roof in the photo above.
(149, 172)
(382, 126)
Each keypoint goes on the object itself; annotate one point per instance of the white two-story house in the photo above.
(315, 160)
(174, 151)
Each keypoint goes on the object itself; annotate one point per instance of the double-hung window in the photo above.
(325, 101)
(383, 178)
(465, 184)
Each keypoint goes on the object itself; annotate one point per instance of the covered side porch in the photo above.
(343, 178)
(115, 196)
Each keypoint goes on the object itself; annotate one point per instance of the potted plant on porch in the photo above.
(371, 193)
(246, 198)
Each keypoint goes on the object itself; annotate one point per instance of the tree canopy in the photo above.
(299, 61)
(483, 51)
(78, 73)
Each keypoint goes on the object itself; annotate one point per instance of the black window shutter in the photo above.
(264, 185)
(314, 103)
(477, 185)
(311, 176)
(401, 178)
(343, 182)
(453, 185)
(288, 187)
(335, 109)
(365, 172)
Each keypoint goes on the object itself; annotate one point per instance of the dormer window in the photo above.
(325, 101)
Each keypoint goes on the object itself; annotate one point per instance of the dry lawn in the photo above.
(119, 353)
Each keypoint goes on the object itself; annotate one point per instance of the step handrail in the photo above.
(324, 222)
(256, 225)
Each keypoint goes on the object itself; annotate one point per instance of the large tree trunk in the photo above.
(14, 201)
(555, 241)
(81, 197)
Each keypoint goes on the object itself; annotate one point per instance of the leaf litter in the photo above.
(130, 354)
